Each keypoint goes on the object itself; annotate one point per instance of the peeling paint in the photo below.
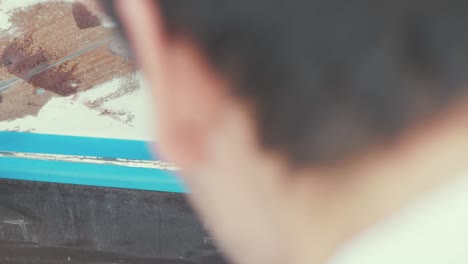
(161, 165)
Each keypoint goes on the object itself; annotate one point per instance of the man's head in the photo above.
(247, 92)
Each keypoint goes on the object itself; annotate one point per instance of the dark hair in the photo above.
(329, 78)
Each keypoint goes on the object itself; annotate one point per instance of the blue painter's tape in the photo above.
(69, 145)
(90, 174)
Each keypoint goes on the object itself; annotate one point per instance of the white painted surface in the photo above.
(71, 116)
(149, 164)
(7, 6)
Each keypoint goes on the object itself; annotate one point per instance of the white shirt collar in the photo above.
(431, 230)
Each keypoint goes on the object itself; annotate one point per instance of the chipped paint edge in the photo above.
(156, 164)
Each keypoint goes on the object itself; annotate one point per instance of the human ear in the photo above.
(188, 93)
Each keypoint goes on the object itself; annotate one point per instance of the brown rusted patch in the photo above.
(83, 17)
(47, 33)
(57, 81)
(128, 86)
(21, 62)
(32, 68)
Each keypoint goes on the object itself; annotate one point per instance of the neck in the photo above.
(322, 209)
